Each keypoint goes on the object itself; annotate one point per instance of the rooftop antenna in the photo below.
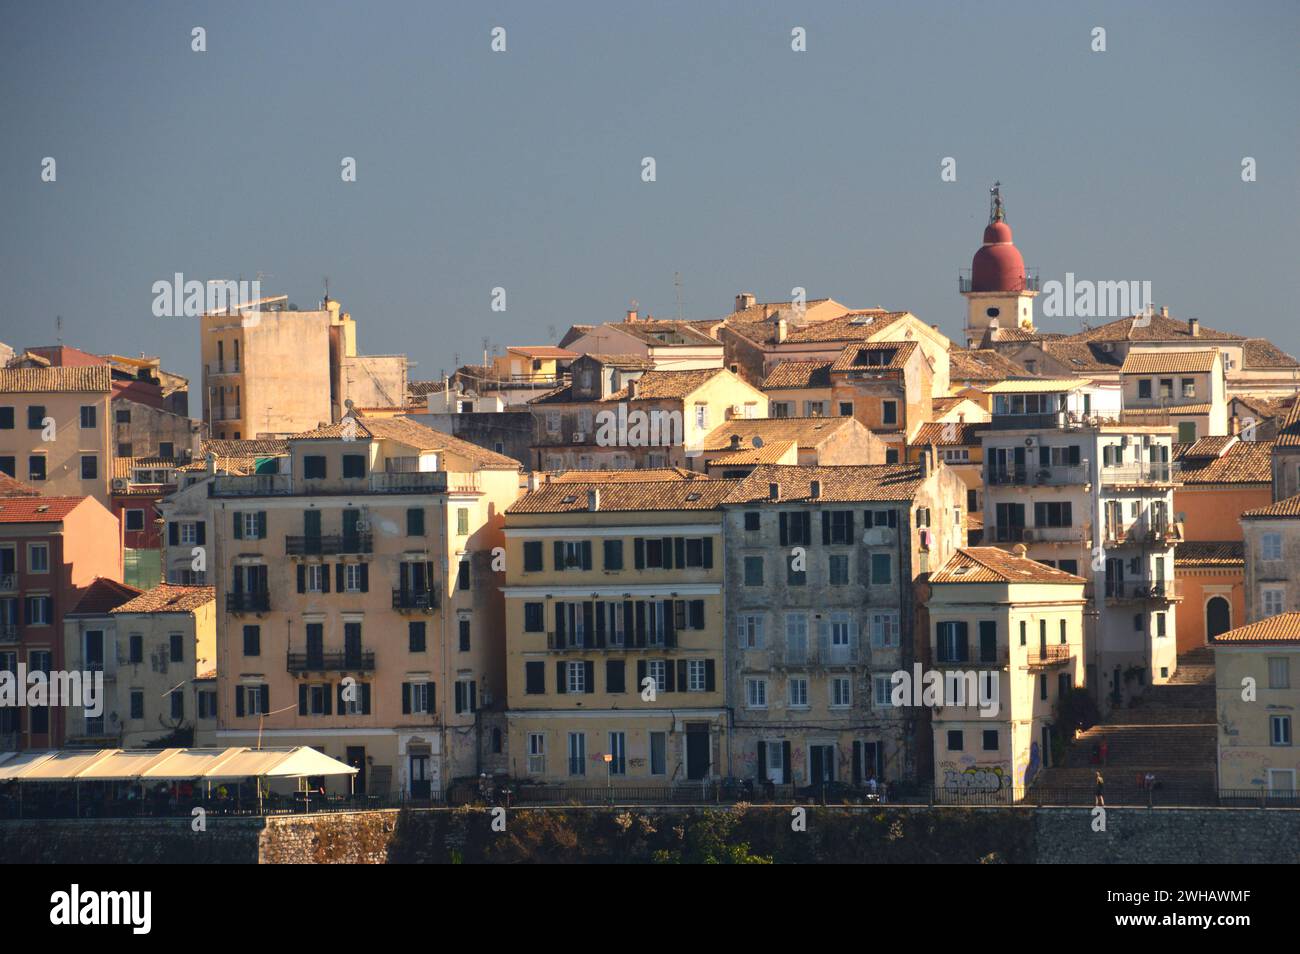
(997, 212)
(58, 328)
(327, 290)
(677, 284)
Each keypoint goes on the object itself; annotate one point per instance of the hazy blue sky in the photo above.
(775, 168)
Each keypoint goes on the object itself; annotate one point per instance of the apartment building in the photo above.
(1094, 498)
(1186, 389)
(887, 386)
(55, 429)
(1257, 750)
(799, 389)
(51, 550)
(614, 632)
(150, 646)
(357, 600)
(1005, 629)
(668, 345)
(960, 446)
(1217, 478)
(732, 449)
(820, 568)
(653, 421)
(1271, 541)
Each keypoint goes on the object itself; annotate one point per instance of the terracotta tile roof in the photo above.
(993, 565)
(102, 596)
(1264, 408)
(422, 388)
(798, 374)
(1171, 410)
(170, 598)
(1282, 628)
(1081, 356)
(623, 476)
(1169, 362)
(659, 334)
(48, 380)
(860, 325)
(1283, 509)
(37, 509)
(843, 484)
(126, 466)
(621, 360)
(16, 488)
(805, 431)
(1224, 460)
(767, 454)
(1023, 385)
(764, 310)
(628, 496)
(543, 351)
(246, 448)
(949, 435)
(1261, 353)
(207, 676)
(1203, 554)
(980, 365)
(893, 356)
(662, 385)
(1156, 328)
(1015, 334)
(412, 434)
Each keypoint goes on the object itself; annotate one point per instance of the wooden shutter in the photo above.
(857, 762)
(339, 577)
(708, 553)
(261, 525)
(670, 677)
(324, 578)
(559, 555)
(586, 554)
(239, 526)
(561, 684)
(406, 698)
(365, 577)
(329, 704)
(200, 532)
(265, 690)
(683, 682)
(761, 761)
(638, 553)
(239, 700)
(365, 698)
(460, 697)
(302, 698)
(670, 622)
(614, 676)
(173, 533)
(710, 677)
(302, 578)
(588, 625)
(680, 544)
(589, 676)
(559, 625)
(785, 763)
(666, 548)
(697, 614)
(640, 674)
(601, 610)
(826, 527)
(783, 522)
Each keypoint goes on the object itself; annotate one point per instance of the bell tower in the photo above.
(999, 292)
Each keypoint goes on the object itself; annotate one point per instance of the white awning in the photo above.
(103, 765)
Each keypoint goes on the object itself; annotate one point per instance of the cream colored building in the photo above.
(150, 646)
(614, 633)
(1006, 638)
(1187, 387)
(358, 597)
(1257, 678)
(55, 429)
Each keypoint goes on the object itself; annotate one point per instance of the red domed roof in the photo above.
(997, 266)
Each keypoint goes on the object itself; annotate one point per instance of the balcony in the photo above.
(1123, 591)
(1051, 420)
(570, 642)
(331, 545)
(9, 583)
(1140, 532)
(1054, 534)
(251, 485)
(1031, 281)
(226, 414)
(284, 485)
(1056, 476)
(356, 661)
(248, 602)
(1052, 656)
(419, 482)
(419, 600)
(223, 367)
(8, 633)
(1133, 475)
(1004, 534)
(948, 661)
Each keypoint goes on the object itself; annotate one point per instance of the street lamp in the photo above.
(609, 775)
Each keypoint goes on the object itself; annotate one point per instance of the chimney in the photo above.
(745, 300)
(631, 316)
(593, 499)
(631, 388)
(782, 329)
(735, 442)
(815, 489)
(1193, 325)
(1020, 550)
(925, 463)
(773, 491)
(1234, 425)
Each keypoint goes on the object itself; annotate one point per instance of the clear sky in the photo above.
(522, 169)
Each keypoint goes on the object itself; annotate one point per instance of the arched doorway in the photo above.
(1218, 617)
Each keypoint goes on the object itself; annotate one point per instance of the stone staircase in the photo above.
(1170, 731)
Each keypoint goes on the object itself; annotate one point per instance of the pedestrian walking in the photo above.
(1101, 790)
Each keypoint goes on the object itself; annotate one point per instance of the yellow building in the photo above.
(357, 592)
(151, 646)
(614, 632)
(55, 429)
(1257, 681)
(1007, 632)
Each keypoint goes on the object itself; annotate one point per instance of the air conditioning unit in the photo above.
(120, 484)
(1031, 441)
(579, 437)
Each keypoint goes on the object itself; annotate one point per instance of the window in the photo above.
(577, 753)
(313, 467)
(613, 554)
(889, 412)
(841, 692)
(533, 556)
(798, 692)
(534, 677)
(1279, 730)
(35, 417)
(6, 418)
(756, 693)
(465, 695)
(881, 569)
(462, 521)
(177, 704)
(418, 696)
(753, 571)
(1144, 389)
(135, 520)
(536, 753)
(1189, 387)
(36, 467)
(695, 676)
(884, 690)
(166, 449)
(884, 630)
(9, 465)
(702, 416)
(316, 574)
(38, 558)
(352, 579)
(1271, 599)
(176, 647)
(463, 635)
(990, 740)
(846, 409)
(124, 449)
(782, 408)
(795, 577)
(658, 753)
(657, 670)
(354, 466)
(552, 422)
(137, 703)
(416, 636)
(534, 618)
(955, 742)
(188, 532)
(753, 520)
(839, 569)
(135, 648)
(952, 642)
(88, 416)
(462, 574)
(575, 678)
(1279, 672)
(749, 630)
(252, 640)
(615, 675)
(618, 753)
(796, 638)
(1270, 546)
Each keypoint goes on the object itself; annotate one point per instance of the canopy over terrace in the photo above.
(122, 765)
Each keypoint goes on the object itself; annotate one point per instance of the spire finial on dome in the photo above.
(996, 212)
